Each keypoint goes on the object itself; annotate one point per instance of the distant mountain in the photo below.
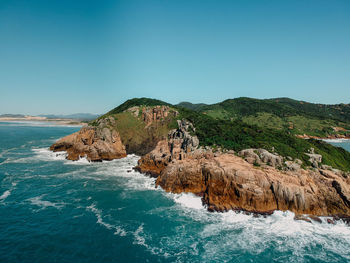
(282, 107)
(76, 116)
(12, 116)
(191, 106)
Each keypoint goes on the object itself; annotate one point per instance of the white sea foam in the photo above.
(336, 140)
(43, 204)
(82, 161)
(188, 200)
(222, 232)
(5, 195)
(140, 239)
(40, 154)
(123, 168)
(44, 154)
(259, 234)
(98, 213)
(5, 152)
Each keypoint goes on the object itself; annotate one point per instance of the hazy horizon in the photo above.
(64, 57)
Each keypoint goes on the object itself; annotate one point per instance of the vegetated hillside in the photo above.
(296, 117)
(232, 134)
(191, 106)
(136, 102)
(238, 135)
(137, 136)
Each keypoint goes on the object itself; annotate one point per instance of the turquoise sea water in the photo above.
(54, 210)
(340, 143)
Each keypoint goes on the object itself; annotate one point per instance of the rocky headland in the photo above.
(253, 180)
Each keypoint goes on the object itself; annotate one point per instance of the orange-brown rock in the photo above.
(93, 143)
(155, 162)
(228, 182)
(178, 146)
(156, 113)
(108, 139)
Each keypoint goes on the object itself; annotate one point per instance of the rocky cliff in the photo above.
(253, 180)
(93, 143)
(137, 130)
(226, 182)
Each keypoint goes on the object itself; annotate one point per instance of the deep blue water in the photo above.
(54, 210)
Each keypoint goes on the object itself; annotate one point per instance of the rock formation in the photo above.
(103, 140)
(255, 180)
(93, 143)
(260, 156)
(315, 159)
(229, 182)
(179, 143)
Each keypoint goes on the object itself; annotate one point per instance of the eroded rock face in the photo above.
(315, 159)
(178, 146)
(261, 156)
(93, 143)
(102, 141)
(152, 114)
(228, 182)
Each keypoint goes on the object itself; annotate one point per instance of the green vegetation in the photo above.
(136, 102)
(267, 130)
(191, 106)
(238, 135)
(135, 137)
(292, 116)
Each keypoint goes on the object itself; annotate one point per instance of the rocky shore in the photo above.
(252, 180)
(329, 137)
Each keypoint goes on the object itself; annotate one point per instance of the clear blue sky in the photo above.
(66, 56)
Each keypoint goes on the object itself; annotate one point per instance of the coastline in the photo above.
(330, 137)
(63, 122)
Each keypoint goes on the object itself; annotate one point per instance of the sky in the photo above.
(69, 56)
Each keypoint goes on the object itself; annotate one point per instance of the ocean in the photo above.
(55, 210)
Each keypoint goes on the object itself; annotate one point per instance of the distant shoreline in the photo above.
(330, 138)
(43, 120)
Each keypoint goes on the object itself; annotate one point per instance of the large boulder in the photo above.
(93, 143)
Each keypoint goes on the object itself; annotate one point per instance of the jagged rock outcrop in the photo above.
(260, 182)
(227, 182)
(261, 156)
(179, 144)
(181, 136)
(108, 139)
(93, 143)
(151, 114)
(315, 159)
